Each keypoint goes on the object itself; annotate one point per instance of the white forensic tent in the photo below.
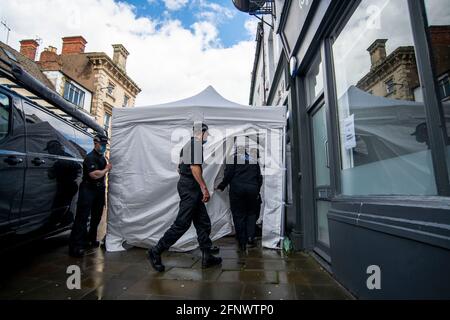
(145, 146)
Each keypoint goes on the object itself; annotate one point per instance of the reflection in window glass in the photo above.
(107, 122)
(383, 132)
(323, 235)
(314, 80)
(84, 143)
(47, 134)
(5, 111)
(438, 14)
(320, 137)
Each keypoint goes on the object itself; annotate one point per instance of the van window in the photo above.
(5, 111)
(85, 142)
(49, 135)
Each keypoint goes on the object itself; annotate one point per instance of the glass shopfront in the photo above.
(384, 141)
(438, 15)
(372, 141)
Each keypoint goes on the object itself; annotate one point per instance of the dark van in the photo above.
(41, 156)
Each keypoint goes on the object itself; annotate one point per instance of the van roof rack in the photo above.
(27, 86)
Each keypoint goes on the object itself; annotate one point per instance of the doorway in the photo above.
(322, 178)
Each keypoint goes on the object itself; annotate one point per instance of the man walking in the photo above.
(91, 199)
(193, 196)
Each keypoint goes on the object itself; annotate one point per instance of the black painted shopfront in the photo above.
(369, 109)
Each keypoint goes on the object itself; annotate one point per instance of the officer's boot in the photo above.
(154, 256)
(251, 242)
(208, 260)
(215, 250)
(76, 252)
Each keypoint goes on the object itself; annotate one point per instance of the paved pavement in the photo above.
(38, 271)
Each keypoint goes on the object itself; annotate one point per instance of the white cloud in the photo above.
(207, 32)
(251, 25)
(213, 12)
(175, 4)
(167, 60)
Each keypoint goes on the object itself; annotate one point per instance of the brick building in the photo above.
(395, 76)
(92, 81)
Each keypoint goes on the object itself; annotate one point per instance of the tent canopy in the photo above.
(145, 147)
(208, 106)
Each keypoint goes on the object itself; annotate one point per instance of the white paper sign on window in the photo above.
(349, 133)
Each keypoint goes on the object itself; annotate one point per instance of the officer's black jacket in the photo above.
(244, 170)
(192, 153)
(93, 162)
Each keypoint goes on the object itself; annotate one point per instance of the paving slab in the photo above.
(260, 274)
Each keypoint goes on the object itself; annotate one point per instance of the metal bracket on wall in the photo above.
(262, 20)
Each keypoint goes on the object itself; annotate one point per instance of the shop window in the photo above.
(314, 80)
(438, 15)
(384, 142)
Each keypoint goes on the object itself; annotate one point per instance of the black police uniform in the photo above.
(245, 180)
(91, 200)
(192, 209)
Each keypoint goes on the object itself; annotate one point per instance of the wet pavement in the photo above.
(38, 271)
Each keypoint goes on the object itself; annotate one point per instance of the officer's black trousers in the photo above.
(244, 206)
(192, 210)
(91, 201)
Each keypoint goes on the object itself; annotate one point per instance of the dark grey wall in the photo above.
(410, 244)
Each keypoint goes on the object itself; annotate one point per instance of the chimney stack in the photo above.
(377, 51)
(73, 45)
(49, 55)
(120, 56)
(28, 48)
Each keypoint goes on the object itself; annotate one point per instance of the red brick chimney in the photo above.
(73, 45)
(29, 48)
(49, 58)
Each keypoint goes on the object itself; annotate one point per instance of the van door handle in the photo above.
(13, 161)
(37, 162)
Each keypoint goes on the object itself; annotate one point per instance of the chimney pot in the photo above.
(28, 48)
(73, 45)
(48, 55)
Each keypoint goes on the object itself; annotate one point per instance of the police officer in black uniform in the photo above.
(243, 174)
(91, 199)
(193, 196)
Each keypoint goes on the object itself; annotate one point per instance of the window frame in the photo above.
(390, 86)
(71, 91)
(441, 80)
(107, 125)
(111, 88)
(126, 100)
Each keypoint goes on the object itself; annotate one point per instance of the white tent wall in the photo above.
(145, 145)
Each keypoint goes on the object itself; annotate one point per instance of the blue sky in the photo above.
(231, 24)
(177, 47)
